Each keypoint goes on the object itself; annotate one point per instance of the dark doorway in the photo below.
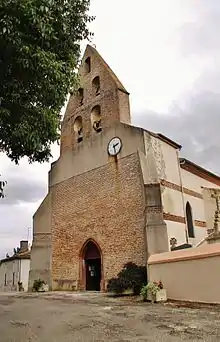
(93, 272)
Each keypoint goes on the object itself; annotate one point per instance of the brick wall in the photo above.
(95, 205)
(112, 98)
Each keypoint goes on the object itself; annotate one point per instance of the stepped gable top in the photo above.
(92, 50)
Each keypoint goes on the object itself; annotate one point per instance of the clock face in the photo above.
(114, 146)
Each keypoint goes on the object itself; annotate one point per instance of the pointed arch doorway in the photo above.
(91, 266)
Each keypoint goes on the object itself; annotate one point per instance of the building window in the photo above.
(81, 95)
(96, 85)
(5, 279)
(13, 278)
(87, 65)
(96, 118)
(189, 220)
(78, 128)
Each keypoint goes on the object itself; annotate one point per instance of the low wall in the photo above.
(190, 275)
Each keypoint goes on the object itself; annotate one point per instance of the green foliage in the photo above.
(40, 50)
(151, 288)
(144, 292)
(130, 277)
(2, 185)
(118, 285)
(37, 284)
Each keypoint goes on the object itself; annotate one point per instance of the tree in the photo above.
(39, 56)
(2, 185)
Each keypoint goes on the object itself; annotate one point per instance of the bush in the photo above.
(144, 292)
(151, 289)
(118, 285)
(136, 275)
(130, 277)
(37, 284)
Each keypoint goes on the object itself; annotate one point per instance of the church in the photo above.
(117, 193)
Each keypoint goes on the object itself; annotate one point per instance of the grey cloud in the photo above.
(16, 223)
(194, 119)
(196, 128)
(23, 184)
(200, 36)
(24, 192)
(20, 189)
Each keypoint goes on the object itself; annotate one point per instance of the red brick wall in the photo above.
(105, 204)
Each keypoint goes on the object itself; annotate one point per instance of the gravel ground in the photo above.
(53, 317)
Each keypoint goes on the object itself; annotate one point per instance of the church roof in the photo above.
(166, 139)
(158, 136)
(120, 86)
(199, 171)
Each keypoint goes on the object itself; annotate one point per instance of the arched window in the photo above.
(87, 66)
(96, 85)
(78, 128)
(80, 95)
(189, 220)
(96, 118)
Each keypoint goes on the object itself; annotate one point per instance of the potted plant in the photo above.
(154, 292)
(40, 286)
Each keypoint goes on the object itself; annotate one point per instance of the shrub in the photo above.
(118, 285)
(37, 284)
(151, 289)
(144, 292)
(135, 275)
(130, 277)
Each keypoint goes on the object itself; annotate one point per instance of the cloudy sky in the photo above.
(167, 55)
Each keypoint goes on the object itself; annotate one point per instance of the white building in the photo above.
(15, 269)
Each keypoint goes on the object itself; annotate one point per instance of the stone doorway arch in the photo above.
(91, 266)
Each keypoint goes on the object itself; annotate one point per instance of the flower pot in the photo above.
(160, 296)
(44, 288)
(151, 297)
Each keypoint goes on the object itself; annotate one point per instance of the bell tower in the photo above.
(100, 102)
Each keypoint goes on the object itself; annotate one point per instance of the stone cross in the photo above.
(216, 196)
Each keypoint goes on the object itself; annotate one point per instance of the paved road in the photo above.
(74, 317)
